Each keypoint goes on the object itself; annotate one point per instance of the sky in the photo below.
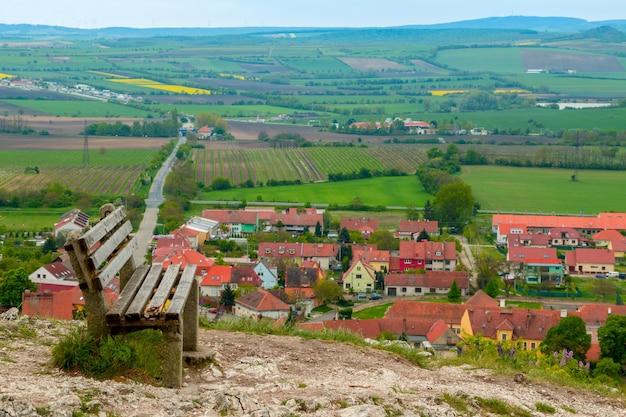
(94, 14)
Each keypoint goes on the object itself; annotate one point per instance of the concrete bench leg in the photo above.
(173, 357)
(190, 320)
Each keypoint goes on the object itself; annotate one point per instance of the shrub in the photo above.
(137, 353)
(607, 367)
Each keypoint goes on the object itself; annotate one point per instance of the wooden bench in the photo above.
(150, 297)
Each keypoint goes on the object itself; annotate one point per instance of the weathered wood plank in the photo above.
(104, 226)
(105, 250)
(115, 264)
(187, 280)
(136, 308)
(157, 303)
(118, 309)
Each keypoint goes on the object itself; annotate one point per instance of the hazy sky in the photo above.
(92, 14)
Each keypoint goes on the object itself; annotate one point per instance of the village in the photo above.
(282, 278)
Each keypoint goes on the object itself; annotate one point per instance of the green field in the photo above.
(387, 191)
(83, 108)
(546, 190)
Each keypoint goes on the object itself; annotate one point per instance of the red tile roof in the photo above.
(616, 221)
(481, 299)
(526, 323)
(417, 226)
(449, 313)
(427, 250)
(533, 255)
(217, 275)
(262, 301)
(358, 224)
(608, 235)
(371, 255)
(596, 314)
(231, 216)
(590, 256)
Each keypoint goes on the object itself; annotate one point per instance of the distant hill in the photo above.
(527, 23)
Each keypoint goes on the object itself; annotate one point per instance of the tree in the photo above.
(15, 282)
(344, 236)
(492, 289)
(227, 298)
(327, 291)
(454, 204)
(604, 288)
(569, 334)
(384, 240)
(454, 294)
(429, 213)
(618, 299)
(318, 229)
(612, 338)
(220, 183)
(486, 268)
(423, 236)
(412, 213)
(50, 245)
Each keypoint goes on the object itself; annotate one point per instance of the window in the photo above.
(533, 345)
(407, 261)
(525, 345)
(358, 268)
(418, 290)
(438, 253)
(358, 276)
(432, 290)
(503, 336)
(404, 289)
(268, 250)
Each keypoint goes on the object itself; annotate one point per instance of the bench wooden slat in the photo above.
(118, 309)
(104, 226)
(157, 303)
(183, 289)
(114, 266)
(105, 250)
(136, 308)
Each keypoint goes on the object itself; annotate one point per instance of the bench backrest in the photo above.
(104, 250)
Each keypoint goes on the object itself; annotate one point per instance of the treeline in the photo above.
(157, 129)
(365, 173)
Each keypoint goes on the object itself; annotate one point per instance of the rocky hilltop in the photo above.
(273, 376)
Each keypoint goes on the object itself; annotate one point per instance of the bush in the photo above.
(345, 313)
(137, 353)
(607, 367)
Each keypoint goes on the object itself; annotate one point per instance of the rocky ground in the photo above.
(272, 376)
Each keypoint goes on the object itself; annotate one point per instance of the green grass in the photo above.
(546, 190)
(372, 312)
(29, 219)
(68, 158)
(382, 191)
(83, 108)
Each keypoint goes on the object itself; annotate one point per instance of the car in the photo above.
(375, 296)
(622, 275)
(612, 274)
(600, 276)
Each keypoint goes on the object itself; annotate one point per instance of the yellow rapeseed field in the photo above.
(6, 75)
(180, 89)
(509, 90)
(445, 92)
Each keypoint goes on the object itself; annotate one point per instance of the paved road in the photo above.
(155, 198)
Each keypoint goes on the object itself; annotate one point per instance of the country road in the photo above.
(155, 198)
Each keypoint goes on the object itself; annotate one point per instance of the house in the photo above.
(295, 253)
(364, 226)
(590, 261)
(451, 314)
(206, 229)
(205, 132)
(245, 278)
(428, 255)
(505, 231)
(503, 324)
(296, 221)
(53, 277)
(564, 236)
(72, 220)
(64, 305)
(377, 259)
(411, 229)
(536, 240)
(184, 257)
(267, 274)
(168, 244)
(540, 264)
(422, 333)
(359, 278)
(237, 222)
(300, 288)
(261, 303)
(431, 282)
(585, 225)
(605, 237)
(215, 280)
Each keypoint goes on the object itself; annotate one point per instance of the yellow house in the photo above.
(359, 278)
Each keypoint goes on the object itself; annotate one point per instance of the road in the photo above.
(154, 200)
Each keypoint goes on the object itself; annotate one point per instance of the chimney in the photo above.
(502, 303)
(564, 313)
(609, 311)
